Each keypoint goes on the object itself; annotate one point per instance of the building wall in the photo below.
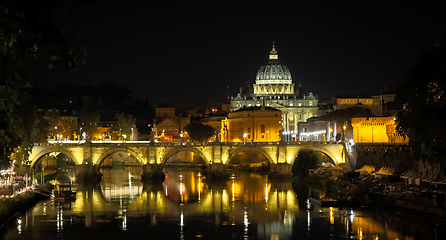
(375, 129)
(384, 98)
(250, 123)
(354, 101)
(164, 112)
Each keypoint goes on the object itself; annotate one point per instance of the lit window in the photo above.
(311, 103)
(300, 104)
(291, 103)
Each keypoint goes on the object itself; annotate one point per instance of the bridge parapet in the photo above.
(212, 153)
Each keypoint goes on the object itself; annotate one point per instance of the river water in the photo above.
(248, 206)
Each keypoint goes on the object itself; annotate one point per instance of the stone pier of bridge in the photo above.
(89, 156)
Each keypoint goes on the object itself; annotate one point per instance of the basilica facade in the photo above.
(274, 88)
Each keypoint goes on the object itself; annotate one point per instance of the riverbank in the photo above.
(11, 206)
(349, 191)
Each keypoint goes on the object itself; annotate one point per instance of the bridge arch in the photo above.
(336, 157)
(173, 151)
(115, 150)
(250, 149)
(44, 152)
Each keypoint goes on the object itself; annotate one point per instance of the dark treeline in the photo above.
(107, 97)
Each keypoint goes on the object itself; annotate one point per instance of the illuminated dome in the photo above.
(274, 69)
(273, 77)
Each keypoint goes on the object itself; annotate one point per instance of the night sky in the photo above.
(187, 54)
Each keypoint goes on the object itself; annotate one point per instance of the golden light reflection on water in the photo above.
(244, 200)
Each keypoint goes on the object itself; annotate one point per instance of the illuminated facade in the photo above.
(252, 124)
(274, 85)
(376, 129)
(169, 126)
(376, 103)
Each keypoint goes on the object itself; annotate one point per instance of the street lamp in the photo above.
(244, 137)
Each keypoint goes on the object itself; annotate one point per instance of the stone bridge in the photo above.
(88, 156)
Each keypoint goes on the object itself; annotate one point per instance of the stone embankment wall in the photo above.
(397, 156)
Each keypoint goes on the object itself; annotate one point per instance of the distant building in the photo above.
(360, 100)
(379, 104)
(214, 120)
(169, 125)
(314, 129)
(376, 129)
(252, 124)
(274, 85)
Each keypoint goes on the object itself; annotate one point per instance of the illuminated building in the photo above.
(361, 100)
(169, 125)
(274, 84)
(214, 121)
(375, 129)
(314, 129)
(379, 104)
(252, 124)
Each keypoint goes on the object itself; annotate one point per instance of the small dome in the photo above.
(273, 69)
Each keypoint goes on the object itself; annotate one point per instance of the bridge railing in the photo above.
(172, 144)
(58, 144)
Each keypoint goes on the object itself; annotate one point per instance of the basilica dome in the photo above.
(273, 70)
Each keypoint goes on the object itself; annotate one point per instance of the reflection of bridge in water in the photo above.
(185, 194)
(281, 155)
(272, 207)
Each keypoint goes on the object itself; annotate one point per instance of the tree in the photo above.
(423, 94)
(123, 128)
(306, 159)
(89, 124)
(199, 132)
(29, 30)
(59, 125)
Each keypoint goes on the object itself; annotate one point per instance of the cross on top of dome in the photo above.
(273, 53)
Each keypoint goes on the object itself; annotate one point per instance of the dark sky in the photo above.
(188, 54)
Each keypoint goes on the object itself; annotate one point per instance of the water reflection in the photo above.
(185, 206)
